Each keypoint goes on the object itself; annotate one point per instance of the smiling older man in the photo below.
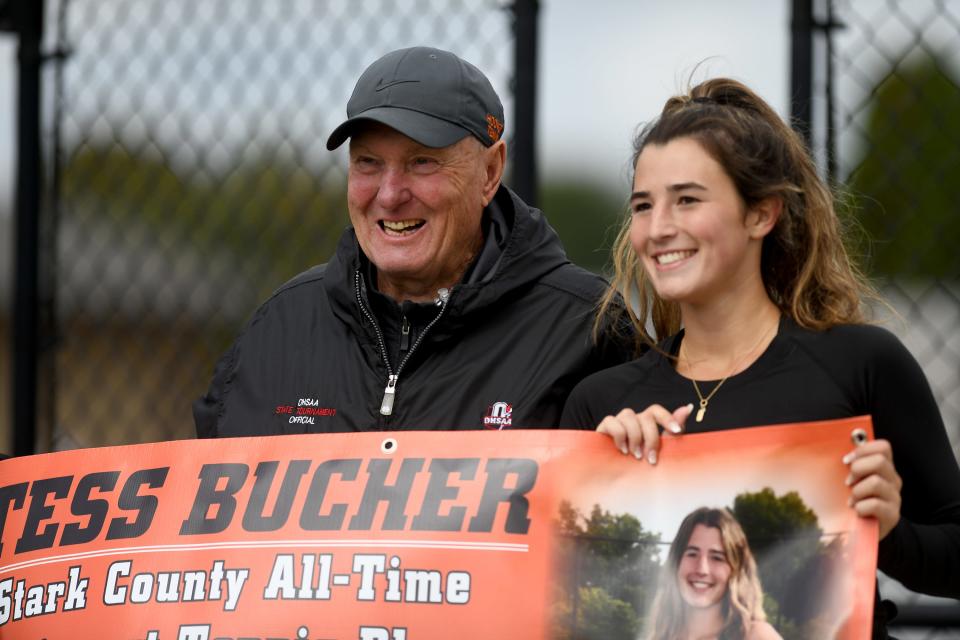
(450, 304)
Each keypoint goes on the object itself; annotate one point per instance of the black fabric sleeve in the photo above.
(616, 341)
(208, 408)
(923, 550)
(576, 411)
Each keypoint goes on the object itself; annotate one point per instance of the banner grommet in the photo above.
(389, 445)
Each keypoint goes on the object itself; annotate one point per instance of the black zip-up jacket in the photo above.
(502, 349)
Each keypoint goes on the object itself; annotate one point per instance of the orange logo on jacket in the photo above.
(494, 128)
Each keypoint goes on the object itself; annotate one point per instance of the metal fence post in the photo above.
(801, 67)
(525, 100)
(28, 19)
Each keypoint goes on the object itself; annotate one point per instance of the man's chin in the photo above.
(405, 280)
(401, 265)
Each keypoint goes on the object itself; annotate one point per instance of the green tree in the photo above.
(622, 557)
(612, 564)
(586, 218)
(784, 535)
(768, 519)
(267, 219)
(603, 617)
(904, 185)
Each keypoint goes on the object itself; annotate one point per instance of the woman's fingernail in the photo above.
(848, 481)
(638, 453)
(847, 459)
(850, 501)
(674, 427)
(652, 457)
(623, 449)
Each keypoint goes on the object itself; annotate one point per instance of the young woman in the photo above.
(734, 254)
(710, 587)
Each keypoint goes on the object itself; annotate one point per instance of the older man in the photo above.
(450, 304)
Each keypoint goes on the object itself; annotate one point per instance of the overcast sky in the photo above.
(609, 65)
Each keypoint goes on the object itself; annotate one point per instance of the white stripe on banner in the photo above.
(269, 544)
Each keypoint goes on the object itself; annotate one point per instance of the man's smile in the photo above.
(401, 227)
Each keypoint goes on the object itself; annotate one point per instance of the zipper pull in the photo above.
(404, 335)
(443, 294)
(386, 407)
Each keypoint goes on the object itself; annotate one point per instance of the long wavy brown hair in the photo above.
(743, 600)
(806, 268)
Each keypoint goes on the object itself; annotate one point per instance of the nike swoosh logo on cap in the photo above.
(381, 85)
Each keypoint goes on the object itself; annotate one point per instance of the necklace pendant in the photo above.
(700, 412)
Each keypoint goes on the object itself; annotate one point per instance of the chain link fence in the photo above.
(893, 103)
(192, 179)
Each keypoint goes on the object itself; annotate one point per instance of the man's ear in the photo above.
(763, 216)
(494, 162)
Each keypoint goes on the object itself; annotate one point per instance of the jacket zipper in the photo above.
(404, 334)
(390, 391)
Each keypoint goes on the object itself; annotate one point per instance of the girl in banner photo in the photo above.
(734, 253)
(710, 587)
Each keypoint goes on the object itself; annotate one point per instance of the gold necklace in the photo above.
(704, 401)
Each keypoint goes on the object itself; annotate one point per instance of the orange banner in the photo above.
(415, 535)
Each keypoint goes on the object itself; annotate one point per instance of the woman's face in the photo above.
(704, 572)
(690, 227)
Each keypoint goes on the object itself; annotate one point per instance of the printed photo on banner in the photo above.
(752, 525)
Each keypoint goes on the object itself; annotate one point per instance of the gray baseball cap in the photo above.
(429, 95)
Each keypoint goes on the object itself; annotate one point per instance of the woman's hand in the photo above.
(639, 433)
(875, 484)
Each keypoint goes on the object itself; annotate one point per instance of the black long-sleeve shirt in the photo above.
(805, 376)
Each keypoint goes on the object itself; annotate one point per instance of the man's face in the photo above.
(416, 210)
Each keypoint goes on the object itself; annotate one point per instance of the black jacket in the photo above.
(502, 351)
